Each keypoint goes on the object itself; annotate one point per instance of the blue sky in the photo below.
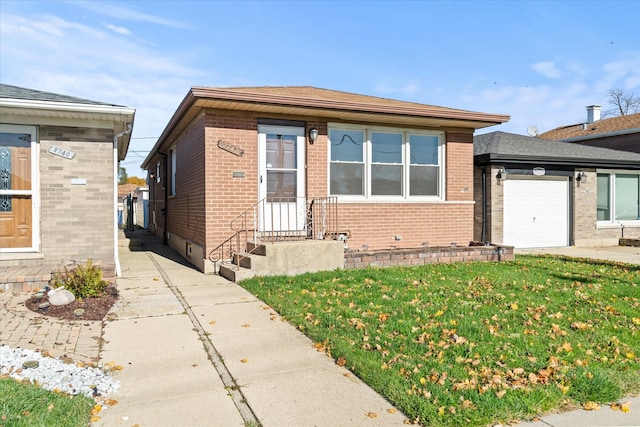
(541, 62)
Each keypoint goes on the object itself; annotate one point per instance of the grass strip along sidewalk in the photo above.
(476, 343)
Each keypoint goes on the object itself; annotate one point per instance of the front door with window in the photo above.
(16, 188)
(281, 186)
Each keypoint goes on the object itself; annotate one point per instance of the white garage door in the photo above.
(536, 213)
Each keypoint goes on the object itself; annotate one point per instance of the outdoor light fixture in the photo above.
(501, 175)
(581, 177)
(313, 135)
(152, 175)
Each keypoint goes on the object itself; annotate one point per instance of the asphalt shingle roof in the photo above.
(16, 92)
(603, 126)
(508, 146)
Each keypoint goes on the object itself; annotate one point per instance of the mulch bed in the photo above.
(95, 308)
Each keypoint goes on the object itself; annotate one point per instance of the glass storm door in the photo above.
(281, 179)
(16, 188)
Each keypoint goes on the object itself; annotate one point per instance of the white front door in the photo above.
(281, 186)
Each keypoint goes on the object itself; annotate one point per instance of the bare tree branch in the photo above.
(622, 103)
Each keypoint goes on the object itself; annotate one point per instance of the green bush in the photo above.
(83, 281)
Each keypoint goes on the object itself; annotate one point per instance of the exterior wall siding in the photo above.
(227, 194)
(627, 142)
(77, 220)
(586, 228)
(186, 207)
(214, 186)
(373, 226)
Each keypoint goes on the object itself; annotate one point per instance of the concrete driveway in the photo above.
(628, 254)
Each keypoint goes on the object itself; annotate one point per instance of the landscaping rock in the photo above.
(60, 297)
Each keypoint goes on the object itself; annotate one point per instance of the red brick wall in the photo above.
(187, 209)
(459, 162)
(627, 142)
(317, 162)
(227, 197)
(209, 197)
(375, 225)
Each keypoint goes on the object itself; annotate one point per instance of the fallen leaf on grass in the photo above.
(341, 361)
(50, 407)
(580, 326)
(590, 406)
(565, 347)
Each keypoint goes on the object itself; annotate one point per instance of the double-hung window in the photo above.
(385, 163)
(618, 197)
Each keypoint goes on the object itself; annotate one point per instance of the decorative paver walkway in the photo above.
(20, 327)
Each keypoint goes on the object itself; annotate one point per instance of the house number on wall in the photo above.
(230, 148)
(62, 153)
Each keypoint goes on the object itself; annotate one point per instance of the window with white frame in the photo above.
(618, 196)
(374, 163)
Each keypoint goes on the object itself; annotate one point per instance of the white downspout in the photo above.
(115, 198)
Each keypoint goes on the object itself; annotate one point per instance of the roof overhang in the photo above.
(34, 112)
(201, 99)
(493, 158)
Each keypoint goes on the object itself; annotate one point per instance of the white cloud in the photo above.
(547, 69)
(61, 56)
(124, 13)
(116, 29)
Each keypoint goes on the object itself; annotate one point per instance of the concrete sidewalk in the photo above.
(198, 350)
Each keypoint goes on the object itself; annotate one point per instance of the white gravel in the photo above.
(53, 374)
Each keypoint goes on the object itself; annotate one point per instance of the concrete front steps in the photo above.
(285, 259)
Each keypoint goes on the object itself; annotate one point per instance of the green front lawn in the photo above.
(26, 405)
(477, 343)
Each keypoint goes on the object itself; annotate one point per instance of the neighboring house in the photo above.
(532, 192)
(304, 162)
(135, 206)
(617, 133)
(58, 178)
(124, 190)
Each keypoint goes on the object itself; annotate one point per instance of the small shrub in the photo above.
(83, 281)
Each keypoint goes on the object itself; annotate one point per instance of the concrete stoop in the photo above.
(286, 259)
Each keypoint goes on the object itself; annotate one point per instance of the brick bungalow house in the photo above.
(58, 182)
(281, 162)
(617, 133)
(533, 192)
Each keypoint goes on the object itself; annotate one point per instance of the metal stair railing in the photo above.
(278, 219)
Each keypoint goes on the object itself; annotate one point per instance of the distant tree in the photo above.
(122, 175)
(137, 181)
(622, 103)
